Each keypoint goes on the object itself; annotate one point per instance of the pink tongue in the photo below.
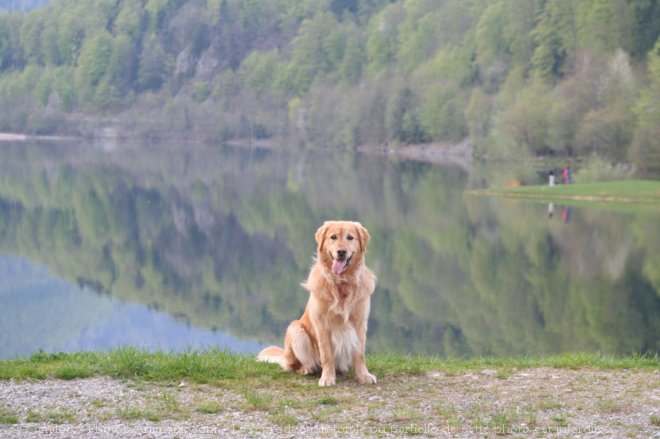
(338, 266)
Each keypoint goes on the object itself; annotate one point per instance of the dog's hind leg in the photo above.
(298, 345)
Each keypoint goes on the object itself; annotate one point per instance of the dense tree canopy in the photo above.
(516, 76)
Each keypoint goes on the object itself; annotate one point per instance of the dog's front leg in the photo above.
(328, 376)
(359, 365)
(361, 372)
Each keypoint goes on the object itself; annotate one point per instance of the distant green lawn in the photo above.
(627, 192)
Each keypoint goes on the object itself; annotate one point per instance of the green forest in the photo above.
(515, 77)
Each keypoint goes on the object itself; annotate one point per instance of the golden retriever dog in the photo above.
(332, 332)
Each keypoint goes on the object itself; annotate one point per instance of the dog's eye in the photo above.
(333, 237)
(349, 237)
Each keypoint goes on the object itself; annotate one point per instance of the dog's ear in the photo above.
(363, 236)
(320, 236)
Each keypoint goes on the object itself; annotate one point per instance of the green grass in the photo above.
(328, 400)
(257, 400)
(627, 192)
(128, 363)
(548, 404)
(283, 419)
(560, 421)
(609, 406)
(33, 416)
(163, 406)
(73, 371)
(387, 364)
(7, 416)
(404, 402)
(215, 366)
(134, 413)
(655, 420)
(449, 414)
(209, 407)
(59, 417)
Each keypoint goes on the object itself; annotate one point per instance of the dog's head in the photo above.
(341, 245)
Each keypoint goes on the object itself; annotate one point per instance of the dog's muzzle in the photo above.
(340, 262)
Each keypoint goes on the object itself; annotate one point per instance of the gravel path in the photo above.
(527, 403)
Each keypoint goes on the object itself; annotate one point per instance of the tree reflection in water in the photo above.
(222, 238)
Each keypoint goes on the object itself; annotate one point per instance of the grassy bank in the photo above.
(129, 392)
(215, 365)
(629, 192)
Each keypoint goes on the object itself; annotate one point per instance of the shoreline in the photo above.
(16, 137)
(581, 395)
(128, 392)
(460, 154)
(11, 137)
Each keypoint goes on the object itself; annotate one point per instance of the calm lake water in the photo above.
(179, 247)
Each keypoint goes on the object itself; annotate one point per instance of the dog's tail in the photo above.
(273, 354)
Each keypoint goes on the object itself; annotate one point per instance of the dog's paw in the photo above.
(367, 378)
(327, 381)
(306, 371)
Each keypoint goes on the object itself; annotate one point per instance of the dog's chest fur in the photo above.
(345, 343)
(344, 297)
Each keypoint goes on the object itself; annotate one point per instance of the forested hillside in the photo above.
(516, 76)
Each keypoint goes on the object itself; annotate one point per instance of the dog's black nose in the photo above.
(341, 254)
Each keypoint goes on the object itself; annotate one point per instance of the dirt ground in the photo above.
(539, 402)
